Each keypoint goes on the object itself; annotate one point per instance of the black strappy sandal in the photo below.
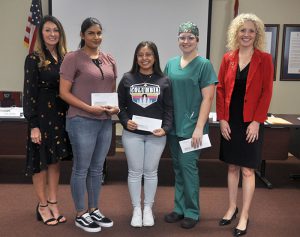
(40, 218)
(59, 218)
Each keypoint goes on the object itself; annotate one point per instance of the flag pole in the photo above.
(236, 8)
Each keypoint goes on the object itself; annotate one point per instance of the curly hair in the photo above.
(237, 23)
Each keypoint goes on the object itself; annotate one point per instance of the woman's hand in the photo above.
(97, 109)
(197, 137)
(112, 110)
(252, 132)
(159, 132)
(131, 125)
(225, 129)
(36, 136)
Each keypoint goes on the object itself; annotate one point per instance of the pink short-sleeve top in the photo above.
(86, 78)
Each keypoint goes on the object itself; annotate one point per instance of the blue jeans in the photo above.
(143, 153)
(90, 140)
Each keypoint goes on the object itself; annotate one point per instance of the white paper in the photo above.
(294, 53)
(146, 123)
(186, 145)
(105, 99)
(268, 42)
(213, 116)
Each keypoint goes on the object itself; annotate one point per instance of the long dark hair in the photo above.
(156, 66)
(87, 23)
(40, 46)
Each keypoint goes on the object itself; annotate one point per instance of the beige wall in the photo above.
(286, 97)
(286, 94)
(13, 15)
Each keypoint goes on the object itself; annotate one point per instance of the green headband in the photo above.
(188, 27)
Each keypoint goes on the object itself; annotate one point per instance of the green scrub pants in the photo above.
(185, 166)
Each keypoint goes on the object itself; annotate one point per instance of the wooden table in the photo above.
(13, 133)
(278, 141)
(276, 146)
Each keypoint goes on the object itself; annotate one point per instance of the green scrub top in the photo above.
(187, 83)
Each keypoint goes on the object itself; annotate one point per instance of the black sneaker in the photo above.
(101, 219)
(188, 223)
(86, 223)
(173, 217)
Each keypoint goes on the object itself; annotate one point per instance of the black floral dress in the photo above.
(44, 109)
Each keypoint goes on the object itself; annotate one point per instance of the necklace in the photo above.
(145, 77)
(98, 64)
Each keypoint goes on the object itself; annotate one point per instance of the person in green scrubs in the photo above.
(193, 82)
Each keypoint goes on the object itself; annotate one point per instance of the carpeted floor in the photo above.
(274, 212)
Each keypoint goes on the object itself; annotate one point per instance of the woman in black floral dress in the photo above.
(45, 112)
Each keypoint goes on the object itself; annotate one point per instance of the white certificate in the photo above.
(147, 124)
(268, 43)
(105, 99)
(294, 53)
(186, 145)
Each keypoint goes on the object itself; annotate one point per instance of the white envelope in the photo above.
(146, 123)
(105, 99)
(186, 145)
(213, 116)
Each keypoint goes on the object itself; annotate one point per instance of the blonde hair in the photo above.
(237, 23)
(40, 47)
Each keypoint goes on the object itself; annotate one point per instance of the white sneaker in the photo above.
(148, 219)
(136, 220)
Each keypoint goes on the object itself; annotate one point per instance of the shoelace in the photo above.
(147, 211)
(88, 218)
(137, 212)
(98, 213)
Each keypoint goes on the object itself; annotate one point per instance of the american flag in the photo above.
(34, 19)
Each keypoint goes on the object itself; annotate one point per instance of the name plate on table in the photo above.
(105, 99)
(11, 112)
(147, 124)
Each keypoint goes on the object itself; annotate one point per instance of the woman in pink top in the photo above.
(86, 71)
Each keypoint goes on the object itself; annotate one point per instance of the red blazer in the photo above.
(258, 88)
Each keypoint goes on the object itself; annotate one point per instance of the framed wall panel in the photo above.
(272, 33)
(290, 57)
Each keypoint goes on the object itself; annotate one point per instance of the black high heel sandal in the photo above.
(40, 218)
(227, 222)
(60, 217)
(238, 232)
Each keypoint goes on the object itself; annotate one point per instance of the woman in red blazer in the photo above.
(243, 98)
